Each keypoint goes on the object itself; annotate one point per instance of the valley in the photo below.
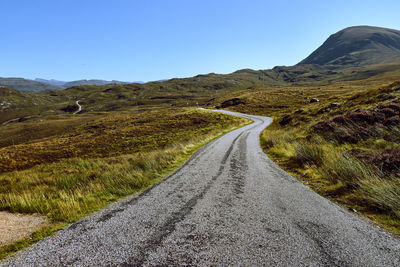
(66, 153)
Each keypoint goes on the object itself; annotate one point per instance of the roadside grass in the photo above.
(330, 170)
(67, 190)
(347, 151)
(383, 192)
(71, 188)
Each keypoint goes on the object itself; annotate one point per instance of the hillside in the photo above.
(358, 46)
(205, 89)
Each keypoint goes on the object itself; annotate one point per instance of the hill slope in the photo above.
(358, 46)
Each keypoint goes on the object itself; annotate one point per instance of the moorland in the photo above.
(336, 128)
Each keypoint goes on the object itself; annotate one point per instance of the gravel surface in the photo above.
(14, 227)
(228, 205)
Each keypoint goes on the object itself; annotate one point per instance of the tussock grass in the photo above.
(309, 153)
(347, 170)
(280, 145)
(328, 168)
(383, 193)
(67, 190)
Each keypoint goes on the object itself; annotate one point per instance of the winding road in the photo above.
(79, 107)
(228, 205)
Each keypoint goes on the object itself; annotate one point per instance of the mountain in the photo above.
(51, 82)
(65, 84)
(29, 86)
(358, 46)
(91, 82)
(25, 85)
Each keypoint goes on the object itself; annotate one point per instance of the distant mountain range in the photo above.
(51, 82)
(81, 82)
(26, 85)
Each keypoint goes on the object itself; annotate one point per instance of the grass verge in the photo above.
(329, 169)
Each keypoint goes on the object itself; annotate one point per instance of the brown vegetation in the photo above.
(111, 135)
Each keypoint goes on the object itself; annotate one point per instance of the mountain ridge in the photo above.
(357, 46)
(30, 86)
(26, 85)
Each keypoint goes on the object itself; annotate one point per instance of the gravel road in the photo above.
(228, 205)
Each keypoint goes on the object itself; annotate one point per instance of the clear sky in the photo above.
(143, 40)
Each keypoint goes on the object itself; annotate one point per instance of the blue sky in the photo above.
(145, 40)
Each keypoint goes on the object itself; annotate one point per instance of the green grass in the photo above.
(309, 153)
(328, 169)
(67, 190)
(384, 193)
(346, 169)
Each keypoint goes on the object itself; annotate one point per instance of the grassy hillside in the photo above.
(18, 106)
(201, 89)
(348, 152)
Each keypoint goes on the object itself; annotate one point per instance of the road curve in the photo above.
(79, 107)
(228, 205)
